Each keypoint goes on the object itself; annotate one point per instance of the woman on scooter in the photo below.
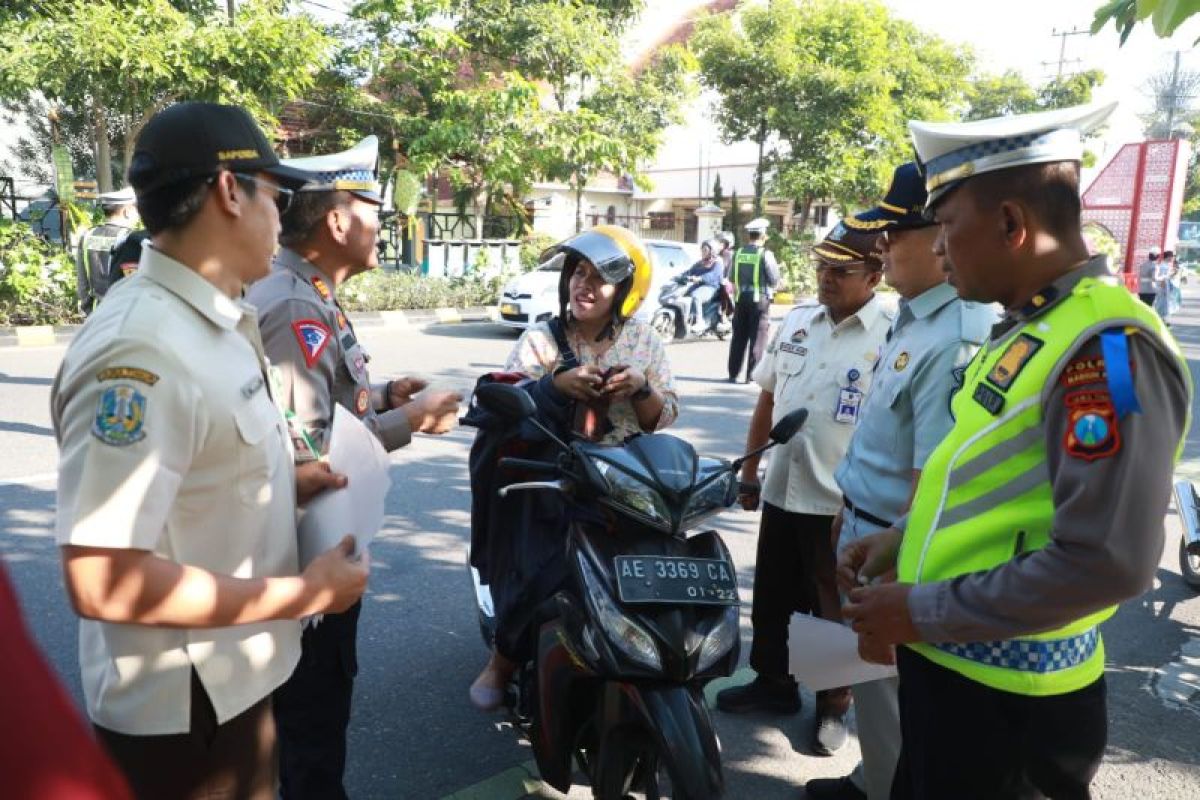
(619, 372)
(705, 276)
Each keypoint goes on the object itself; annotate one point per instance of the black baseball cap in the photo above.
(189, 140)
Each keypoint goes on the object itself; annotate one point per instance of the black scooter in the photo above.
(670, 319)
(650, 615)
(1187, 503)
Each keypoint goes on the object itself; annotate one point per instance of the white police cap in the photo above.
(120, 197)
(351, 171)
(758, 224)
(951, 152)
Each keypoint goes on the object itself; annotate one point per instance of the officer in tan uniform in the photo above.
(328, 236)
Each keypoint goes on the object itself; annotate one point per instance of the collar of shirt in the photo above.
(925, 304)
(1047, 298)
(290, 259)
(187, 284)
(865, 316)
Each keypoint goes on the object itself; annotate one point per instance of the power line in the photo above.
(1062, 49)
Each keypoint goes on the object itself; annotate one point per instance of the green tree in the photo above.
(1009, 93)
(117, 62)
(1166, 15)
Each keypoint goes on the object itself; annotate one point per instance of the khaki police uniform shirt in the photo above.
(808, 363)
(170, 442)
(318, 359)
(1107, 531)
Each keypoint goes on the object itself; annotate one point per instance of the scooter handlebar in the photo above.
(529, 465)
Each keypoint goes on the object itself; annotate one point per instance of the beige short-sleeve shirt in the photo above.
(171, 442)
(808, 363)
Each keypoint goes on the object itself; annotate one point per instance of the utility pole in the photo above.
(1062, 49)
(1174, 96)
(229, 5)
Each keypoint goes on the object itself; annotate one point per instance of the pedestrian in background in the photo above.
(1147, 277)
(92, 277)
(753, 274)
(328, 236)
(904, 417)
(177, 496)
(822, 358)
(1043, 506)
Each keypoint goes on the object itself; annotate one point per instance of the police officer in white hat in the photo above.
(96, 246)
(1043, 506)
(754, 274)
(328, 236)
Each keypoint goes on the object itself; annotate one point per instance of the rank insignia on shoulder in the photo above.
(1013, 360)
(314, 336)
(989, 398)
(901, 362)
(121, 416)
(341, 319)
(321, 288)
(362, 402)
(1083, 371)
(1092, 431)
(128, 374)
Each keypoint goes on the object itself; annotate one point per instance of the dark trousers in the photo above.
(233, 761)
(312, 710)
(750, 323)
(793, 572)
(1147, 298)
(963, 739)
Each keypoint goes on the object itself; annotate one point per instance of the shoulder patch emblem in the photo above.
(314, 336)
(127, 373)
(1092, 431)
(901, 362)
(362, 402)
(1084, 370)
(121, 416)
(321, 288)
(1013, 360)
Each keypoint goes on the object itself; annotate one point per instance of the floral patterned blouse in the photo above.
(636, 345)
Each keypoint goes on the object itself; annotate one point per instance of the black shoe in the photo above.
(829, 734)
(761, 694)
(833, 789)
(731, 380)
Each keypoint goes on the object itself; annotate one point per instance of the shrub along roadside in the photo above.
(387, 290)
(37, 280)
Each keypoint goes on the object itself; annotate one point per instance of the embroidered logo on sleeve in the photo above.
(362, 402)
(127, 374)
(1082, 371)
(121, 416)
(1092, 430)
(1013, 360)
(314, 336)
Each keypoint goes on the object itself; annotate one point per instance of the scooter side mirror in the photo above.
(506, 401)
(787, 427)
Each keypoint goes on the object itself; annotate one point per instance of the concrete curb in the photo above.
(51, 335)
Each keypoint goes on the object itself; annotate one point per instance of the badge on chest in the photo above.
(850, 398)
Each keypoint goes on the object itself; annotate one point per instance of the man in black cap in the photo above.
(176, 491)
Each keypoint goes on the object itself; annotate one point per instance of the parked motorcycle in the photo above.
(1187, 503)
(649, 615)
(670, 319)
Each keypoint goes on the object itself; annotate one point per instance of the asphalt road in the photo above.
(414, 735)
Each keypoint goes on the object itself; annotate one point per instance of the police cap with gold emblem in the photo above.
(351, 171)
(902, 207)
(951, 152)
(844, 246)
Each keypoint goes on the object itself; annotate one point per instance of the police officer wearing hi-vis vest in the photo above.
(753, 274)
(1043, 507)
(92, 277)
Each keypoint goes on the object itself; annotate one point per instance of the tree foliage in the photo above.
(1009, 93)
(1165, 15)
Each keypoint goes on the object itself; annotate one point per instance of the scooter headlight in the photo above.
(627, 635)
(633, 495)
(719, 640)
(713, 497)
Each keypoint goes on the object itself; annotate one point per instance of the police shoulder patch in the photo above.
(1013, 360)
(314, 336)
(1092, 430)
(1084, 370)
(121, 416)
(127, 373)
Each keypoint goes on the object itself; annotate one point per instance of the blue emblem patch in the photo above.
(1091, 430)
(121, 416)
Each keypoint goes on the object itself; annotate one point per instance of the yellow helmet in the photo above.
(620, 258)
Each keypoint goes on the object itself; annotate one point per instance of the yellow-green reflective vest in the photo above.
(751, 259)
(985, 495)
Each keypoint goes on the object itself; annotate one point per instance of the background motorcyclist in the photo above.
(705, 278)
(596, 357)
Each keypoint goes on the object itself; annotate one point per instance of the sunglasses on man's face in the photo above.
(283, 196)
(840, 272)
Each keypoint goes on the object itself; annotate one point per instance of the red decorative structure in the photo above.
(1138, 197)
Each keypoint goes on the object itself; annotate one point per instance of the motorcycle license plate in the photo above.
(510, 308)
(662, 579)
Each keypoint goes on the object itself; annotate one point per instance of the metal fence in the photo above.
(396, 234)
(665, 225)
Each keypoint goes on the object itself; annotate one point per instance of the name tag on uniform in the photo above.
(850, 399)
(795, 349)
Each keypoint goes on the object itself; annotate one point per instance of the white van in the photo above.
(533, 297)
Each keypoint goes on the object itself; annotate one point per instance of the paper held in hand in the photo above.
(824, 655)
(356, 509)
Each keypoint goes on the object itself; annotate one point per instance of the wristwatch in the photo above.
(642, 393)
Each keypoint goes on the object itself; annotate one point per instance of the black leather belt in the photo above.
(861, 514)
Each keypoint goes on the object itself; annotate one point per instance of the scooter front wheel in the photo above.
(664, 325)
(1189, 565)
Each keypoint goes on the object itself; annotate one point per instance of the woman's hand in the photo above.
(624, 381)
(581, 383)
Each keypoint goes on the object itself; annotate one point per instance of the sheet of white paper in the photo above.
(358, 508)
(824, 655)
